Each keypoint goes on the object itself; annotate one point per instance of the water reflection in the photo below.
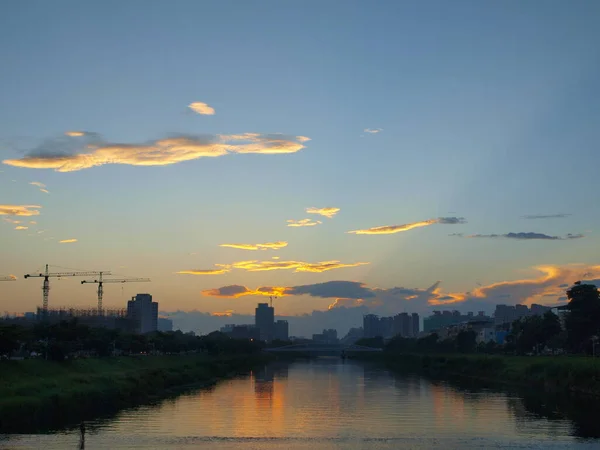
(328, 403)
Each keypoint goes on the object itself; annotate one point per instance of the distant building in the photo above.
(281, 330)
(354, 334)
(245, 332)
(371, 326)
(444, 319)
(416, 324)
(164, 324)
(507, 314)
(264, 319)
(143, 312)
(326, 337)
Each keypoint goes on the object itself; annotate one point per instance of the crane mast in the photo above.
(100, 282)
(47, 275)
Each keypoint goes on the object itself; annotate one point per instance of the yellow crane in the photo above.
(47, 275)
(100, 282)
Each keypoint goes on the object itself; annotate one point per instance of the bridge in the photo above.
(318, 348)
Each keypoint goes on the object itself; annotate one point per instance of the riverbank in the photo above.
(38, 394)
(558, 373)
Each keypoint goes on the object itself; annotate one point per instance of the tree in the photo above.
(9, 340)
(466, 341)
(583, 318)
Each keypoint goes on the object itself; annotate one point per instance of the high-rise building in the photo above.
(416, 325)
(264, 320)
(281, 330)
(371, 326)
(143, 312)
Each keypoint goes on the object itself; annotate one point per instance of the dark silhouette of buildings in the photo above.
(403, 324)
(442, 319)
(326, 337)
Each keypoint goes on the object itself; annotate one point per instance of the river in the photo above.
(327, 403)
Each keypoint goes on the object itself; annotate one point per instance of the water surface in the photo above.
(331, 404)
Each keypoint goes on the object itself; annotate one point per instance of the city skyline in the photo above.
(389, 160)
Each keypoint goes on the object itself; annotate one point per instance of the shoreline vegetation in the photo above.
(563, 374)
(43, 395)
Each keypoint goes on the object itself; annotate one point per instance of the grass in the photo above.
(38, 394)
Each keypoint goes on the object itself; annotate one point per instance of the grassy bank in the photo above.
(37, 394)
(564, 374)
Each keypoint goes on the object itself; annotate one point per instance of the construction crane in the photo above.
(10, 278)
(271, 298)
(47, 275)
(101, 281)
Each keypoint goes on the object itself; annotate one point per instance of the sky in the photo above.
(394, 156)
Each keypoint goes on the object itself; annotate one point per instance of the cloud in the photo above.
(202, 108)
(328, 212)
(546, 216)
(33, 222)
(274, 257)
(526, 236)
(451, 220)
(11, 276)
(6, 219)
(373, 130)
(303, 223)
(19, 210)
(227, 313)
(67, 241)
(38, 184)
(266, 246)
(236, 291)
(80, 133)
(391, 229)
(297, 266)
(21, 227)
(331, 289)
(203, 272)
(45, 191)
(170, 150)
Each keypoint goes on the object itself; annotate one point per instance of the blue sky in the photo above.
(487, 112)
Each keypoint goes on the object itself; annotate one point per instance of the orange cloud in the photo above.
(227, 313)
(6, 219)
(75, 133)
(20, 227)
(202, 108)
(266, 246)
(67, 241)
(162, 152)
(391, 229)
(19, 210)
(328, 212)
(45, 191)
(297, 266)
(237, 291)
(38, 184)
(203, 272)
(303, 223)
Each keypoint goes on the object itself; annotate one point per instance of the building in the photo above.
(416, 325)
(245, 332)
(507, 314)
(371, 326)
(164, 324)
(281, 330)
(444, 319)
(326, 337)
(264, 319)
(143, 312)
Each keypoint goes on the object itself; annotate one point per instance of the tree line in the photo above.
(70, 339)
(574, 330)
